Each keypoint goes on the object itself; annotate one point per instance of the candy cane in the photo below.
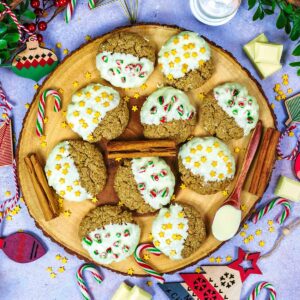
(296, 149)
(70, 10)
(259, 287)
(146, 267)
(42, 106)
(7, 107)
(279, 201)
(20, 27)
(92, 4)
(81, 282)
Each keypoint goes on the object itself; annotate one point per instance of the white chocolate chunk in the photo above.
(267, 53)
(288, 188)
(250, 47)
(226, 222)
(123, 292)
(139, 294)
(266, 70)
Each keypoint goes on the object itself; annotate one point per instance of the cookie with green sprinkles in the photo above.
(109, 234)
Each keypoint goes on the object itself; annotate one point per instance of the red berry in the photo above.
(35, 3)
(38, 12)
(39, 37)
(31, 27)
(42, 26)
(60, 3)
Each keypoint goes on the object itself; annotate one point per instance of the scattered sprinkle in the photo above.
(58, 257)
(237, 149)
(225, 193)
(228, 258)
(271, 229)
(246, 241)
(243, 207)
(219, 259)
(130, 271)
(126, 98)
(7, 193)
(49, 269)
(146, 257)
(61, 269)
(149, 283)
(212, 259)
(245, 226)
(44, 144)
(118, 159)
(9, 218)
(198, 270)
(61, 91)
(75, 84)
(52, 275)
(94, 200)
(58, 45)
(27, 105)
(289, 90)
(258, 232)
(201, 96)
(261, 243)
(87, 38)
(64, 260)
(66, 51)
(173, 198)
(134, 108)
(272, 105)
(270, 222)
(64, 124)
(251, 237)
(36, 86)
(150, 236)
(88, 75)
(67, 213)
(144, 86)
(243, 233)
(136, 96)
(182, 186)
(291, 133)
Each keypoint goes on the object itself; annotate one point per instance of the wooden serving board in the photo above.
(76, 68)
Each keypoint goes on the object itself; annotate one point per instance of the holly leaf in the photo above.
(3, 28)
(4, 55)
(11, 38)
(3, 44)
(281, 20)
(296, 51)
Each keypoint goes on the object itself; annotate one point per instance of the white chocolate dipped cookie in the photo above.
(229, 112)
(144, 184)
(178, 231)
(97, 112)
(185, 60)
(76, 170)
(109, 234)
(206, 165)
(168, 114)
(126, 60)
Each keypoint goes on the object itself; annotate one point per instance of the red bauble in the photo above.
(31, 27)
(39, 37)
(35, 3)
(42, 26)
(60, 3)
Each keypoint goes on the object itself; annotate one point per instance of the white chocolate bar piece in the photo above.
(288, 188)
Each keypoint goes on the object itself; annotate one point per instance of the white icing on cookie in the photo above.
(112, 243)
(182, 53)
(154, 179)
(88, 108)
(124, 70)
(166, 105)
(63, 176)
(208, 157)
(236, 102)
(170, 230)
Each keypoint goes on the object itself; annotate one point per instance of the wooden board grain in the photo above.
(76, 68)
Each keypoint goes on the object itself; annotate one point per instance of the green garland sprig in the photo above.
(288, 19)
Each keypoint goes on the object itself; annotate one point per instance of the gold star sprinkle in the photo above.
(212, 259)
(258, 232)
(64, 260)
(44, 144)
(61, 91)
(67, 213)
(58, 45)
(27, 105)
(261, 243)
(243, 233)
(237, 149)
(120, 203)
(4, 116)
(126, 98)
(22, 200)
(228, 258)
(94, 200)
(272, 105)
(225, 193)
(87, 38)
(245, 226)
(61, 269)
(136, 96)
(144, 86)
(271, 229)
(49, 269)
(146, 257)
(198, 270)
(36, 86)
(289, 90)
(63, 124)
(173, 198)
(243, 207)
(291, 133)
(130, 271)
(246, 240)
(150, 236)
(57, 256)
(201, 96)
(75, 84)
(219, 259)
(270, 222)
(149, 283)
(251, 237)
(7, 193)
(9, 218)
(66, 51)
(118, 159)
(52, 275)
(88, 75)
(134, 108)
(182, 186)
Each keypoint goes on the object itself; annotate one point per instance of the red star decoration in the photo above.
(243, 256)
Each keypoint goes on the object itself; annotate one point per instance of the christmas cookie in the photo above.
(168, 114)
(206, 165)
(229, 112)
(126, 60)
(185, 60)
(109, 234)
(76, 170)
(144, 184)
(97, 112)
(178, 231)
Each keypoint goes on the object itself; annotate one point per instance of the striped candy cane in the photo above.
(81, 282)
(5, 105)
(42, 106)
(259, 287)
(296, 149)
(20, 27)
(92, 4)
(278, 201)
(146, 267)
(70, 10)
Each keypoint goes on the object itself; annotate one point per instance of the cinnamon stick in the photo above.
(260, 161)
(133, 149)
(48, 214)
(52, 200)
(268, 163)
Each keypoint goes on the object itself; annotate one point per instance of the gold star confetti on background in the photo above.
(87, 38)
(219, 259)
(94, 200)
(246, 241)
(201, 96)
(9, 218)
(243, 233)
(237, 149)
(36, 86)
(245, 226)
(261, 243)
(52, 275)
(134, 108)
(7, 193)
(49, 269)
(126, 98)
(198, 270)
(150, 236)
(61, 269)
(212, 259)
(66, 51)
(58, 45)
(270, 222)
(58, 257)
(271, 229)
(258, 232)
(118, 158)
(149, 283)
(27, 105)
(228, 258)
(64, 124)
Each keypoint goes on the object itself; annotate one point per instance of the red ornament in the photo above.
(39, 37)
(60, 3)
(42, 26)
(31, 27)
(35, 3)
